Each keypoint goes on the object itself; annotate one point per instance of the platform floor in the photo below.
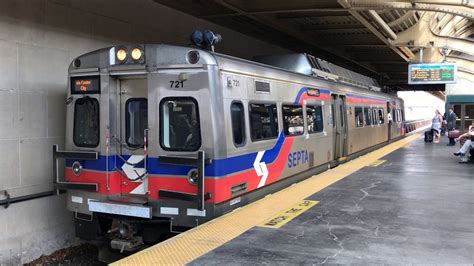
(413, 205)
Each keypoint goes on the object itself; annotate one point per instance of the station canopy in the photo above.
(377, 38)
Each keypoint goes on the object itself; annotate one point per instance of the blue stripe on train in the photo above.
(218, 167)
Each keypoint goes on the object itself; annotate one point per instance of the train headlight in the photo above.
(121, 55)
(76, 168)
(193, 57)
(137, 54)
(193, 177)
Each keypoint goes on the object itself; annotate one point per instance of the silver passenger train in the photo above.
(162, 138)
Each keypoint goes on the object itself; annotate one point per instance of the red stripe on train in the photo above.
(220, 188)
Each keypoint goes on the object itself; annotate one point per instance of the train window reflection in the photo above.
(238, 123)
(381, 117)
(368, 116)
(86, 122)
(263, 121)
(136, 121)
(293, 120)
(314, 117)
(359, 118)
(179, 124)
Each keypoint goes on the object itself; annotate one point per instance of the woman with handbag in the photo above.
(436, 126)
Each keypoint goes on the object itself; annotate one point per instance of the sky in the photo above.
(420, 104)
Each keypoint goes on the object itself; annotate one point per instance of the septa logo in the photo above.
(298, 157)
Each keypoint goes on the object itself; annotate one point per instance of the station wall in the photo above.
(38, 40)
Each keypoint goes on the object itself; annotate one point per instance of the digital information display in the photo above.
(82, 85)
(441, 73)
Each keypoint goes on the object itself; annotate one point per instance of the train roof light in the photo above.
(121, 55)
(137, 54)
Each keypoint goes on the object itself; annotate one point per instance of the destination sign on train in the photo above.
(89, 84)
(440, 73)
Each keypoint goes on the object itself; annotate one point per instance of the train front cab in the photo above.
(136, 144)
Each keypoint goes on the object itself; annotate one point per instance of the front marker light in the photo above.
(76, 168)
(137, 54)
(121, 55)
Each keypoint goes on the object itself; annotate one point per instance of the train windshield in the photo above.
(179, 124)
(86, 122)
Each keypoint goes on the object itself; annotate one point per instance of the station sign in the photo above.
(439, 73)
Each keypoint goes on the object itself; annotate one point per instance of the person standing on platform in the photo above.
(436, 126)
(451, 125)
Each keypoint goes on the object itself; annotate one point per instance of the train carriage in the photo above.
(162, 137)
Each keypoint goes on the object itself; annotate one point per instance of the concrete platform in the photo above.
(414, 205)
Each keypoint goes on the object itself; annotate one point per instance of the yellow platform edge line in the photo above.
(196, 242)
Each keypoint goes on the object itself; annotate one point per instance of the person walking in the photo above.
(451, 125)
(436, 126)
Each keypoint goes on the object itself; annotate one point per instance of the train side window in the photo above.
(293, 124)
(375, 116)
(381, 117)
(314, 117)
(342, 113)
(333, 116)
(238, 123)
(136, 121)
(263, 121)
(399, 116)
(359, 116)
(368, 116)
(86, 122)
(180, 129)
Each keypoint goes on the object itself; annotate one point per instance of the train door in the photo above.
(338, 105)
(133, 130)
(390, 119)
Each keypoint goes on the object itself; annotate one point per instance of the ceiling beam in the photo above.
(363, 21)
(296, 33)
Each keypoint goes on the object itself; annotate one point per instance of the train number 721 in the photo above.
(176, 83)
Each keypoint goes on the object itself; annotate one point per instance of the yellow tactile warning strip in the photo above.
(289, 214)
(198, 241)
(376, 163)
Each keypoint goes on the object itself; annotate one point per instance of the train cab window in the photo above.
(368, 116)
(359, 116)
(314, 118)
(238, 123)
(179, 124)
(86, 122)
(381, 117)
(263, 121)
(136, 121)
(293, 124)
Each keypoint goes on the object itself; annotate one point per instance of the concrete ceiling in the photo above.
(377, 38)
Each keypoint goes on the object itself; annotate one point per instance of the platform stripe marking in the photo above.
(287, 215)
(196, 242)
(377, 163)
